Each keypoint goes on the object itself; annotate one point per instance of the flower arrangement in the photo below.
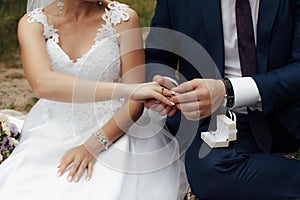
(9, 138)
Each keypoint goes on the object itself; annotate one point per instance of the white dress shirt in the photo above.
(245, 89)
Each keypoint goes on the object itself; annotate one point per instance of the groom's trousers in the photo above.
(241, 172)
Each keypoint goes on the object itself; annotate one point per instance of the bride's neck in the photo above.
(77, 9)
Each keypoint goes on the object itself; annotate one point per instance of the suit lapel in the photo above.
(266, 18)
(211, 10)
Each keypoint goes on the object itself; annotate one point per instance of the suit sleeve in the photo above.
(160, 44)
(280, 87)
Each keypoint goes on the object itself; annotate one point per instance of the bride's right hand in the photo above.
(151, 90)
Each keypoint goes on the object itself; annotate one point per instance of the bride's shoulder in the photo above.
(26, 22)
(34, 21)
(36, 15)
(133, 20)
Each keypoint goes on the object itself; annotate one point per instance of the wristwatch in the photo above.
(229, 96)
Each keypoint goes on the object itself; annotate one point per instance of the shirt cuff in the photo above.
(246, 92)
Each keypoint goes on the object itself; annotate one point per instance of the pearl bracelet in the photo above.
(104, 141)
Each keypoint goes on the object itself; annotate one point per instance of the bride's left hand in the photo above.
(79, 159)
(151, 90)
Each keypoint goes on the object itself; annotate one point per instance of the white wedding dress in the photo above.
(143, 165)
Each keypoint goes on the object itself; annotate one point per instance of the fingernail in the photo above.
(173, 92)
(70, 178)
(88, 178)
(172, 103)
(58, 174)
(58, 165)
(76, 179)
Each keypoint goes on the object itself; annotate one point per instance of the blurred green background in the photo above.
(12, 10)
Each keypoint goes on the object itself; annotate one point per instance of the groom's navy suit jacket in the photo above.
(278, 52)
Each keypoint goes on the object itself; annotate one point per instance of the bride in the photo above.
(88, 136)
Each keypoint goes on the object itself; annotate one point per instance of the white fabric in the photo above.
(244, 86)
(143, 165)
(232, 60)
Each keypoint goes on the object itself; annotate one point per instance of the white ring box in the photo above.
(225, 133)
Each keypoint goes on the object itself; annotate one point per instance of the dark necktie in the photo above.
(247, 53)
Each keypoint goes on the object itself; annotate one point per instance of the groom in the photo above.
(255, 48)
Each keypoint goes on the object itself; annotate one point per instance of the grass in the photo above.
(10, 13)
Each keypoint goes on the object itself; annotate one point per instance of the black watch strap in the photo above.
(229, 96)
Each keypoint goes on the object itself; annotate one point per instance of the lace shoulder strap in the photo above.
(37, 15)
(115, 14)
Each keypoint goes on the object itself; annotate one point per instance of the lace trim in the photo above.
(50, 32)
(115, 15)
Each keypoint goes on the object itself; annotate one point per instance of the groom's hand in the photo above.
(157, 106)
(199, 98)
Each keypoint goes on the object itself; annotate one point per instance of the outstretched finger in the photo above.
(159, 79)
(64, 164)
(184, 98)
(164, 81)
(184, 87)
(167, 93)
(164, 99)
(190, 106)
(80, 171)
(89, 171)
(73, 170)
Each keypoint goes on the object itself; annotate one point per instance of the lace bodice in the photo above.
(100, 63)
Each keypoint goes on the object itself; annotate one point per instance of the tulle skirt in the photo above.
(142, 165)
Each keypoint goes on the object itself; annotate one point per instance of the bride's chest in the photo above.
(101, 62)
